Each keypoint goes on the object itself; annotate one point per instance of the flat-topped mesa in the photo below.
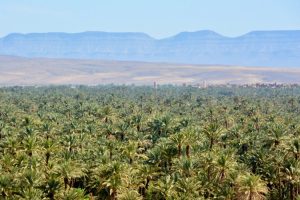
(283, 33)
(205, 34)
(93, 34)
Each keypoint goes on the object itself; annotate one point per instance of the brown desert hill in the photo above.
(48, 71)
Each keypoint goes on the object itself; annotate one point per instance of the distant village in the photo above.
(204, 84)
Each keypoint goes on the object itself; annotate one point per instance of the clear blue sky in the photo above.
(158, 18)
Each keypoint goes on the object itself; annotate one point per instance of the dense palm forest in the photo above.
(129, 142)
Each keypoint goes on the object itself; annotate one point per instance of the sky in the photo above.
(158, 18)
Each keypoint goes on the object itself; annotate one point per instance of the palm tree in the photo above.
(178, 139)
(51, 185)
(225, 164)
(251, 187)
(70, 170)
(122, 129)
(277, 135)
(28, 184)
(130, 151)
(165, 188)
(212, 132)
(6, 185)
(292, 177)
(113, 178)
(49, 148)
(73, 194)
(30, 145)
(146, 174)
(190, 137)
(295, 148)
(107, 114)
(189, 188)
(137, 120)
(129, 195)
(186, 167)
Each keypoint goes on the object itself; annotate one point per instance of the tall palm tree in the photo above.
(212, 132)
(178, 139)
(70, 170)
(189, 188)
(113, 178)
(251, 187)
(165, 188)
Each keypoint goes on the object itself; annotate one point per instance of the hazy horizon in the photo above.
(159, 19)
(195, 31)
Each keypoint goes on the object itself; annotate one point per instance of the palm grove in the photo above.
(127, 142)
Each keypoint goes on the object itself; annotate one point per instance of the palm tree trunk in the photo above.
(66, 182)
(187, 151)
(114, 194)
(208, 173)
(91, 197)
(138, 128)
(51, 195)
(110, 154)
(211, 143)
(47, 158)
(179, 150)
(147, 182)
(292, 192)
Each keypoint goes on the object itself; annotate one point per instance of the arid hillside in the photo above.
(44, 71)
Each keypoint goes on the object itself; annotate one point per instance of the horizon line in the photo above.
(149, 35)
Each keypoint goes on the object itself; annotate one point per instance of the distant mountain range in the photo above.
(258, 48)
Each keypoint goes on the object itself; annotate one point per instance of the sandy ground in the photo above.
(41, 71)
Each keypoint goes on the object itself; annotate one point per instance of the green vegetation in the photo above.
(127, 142)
